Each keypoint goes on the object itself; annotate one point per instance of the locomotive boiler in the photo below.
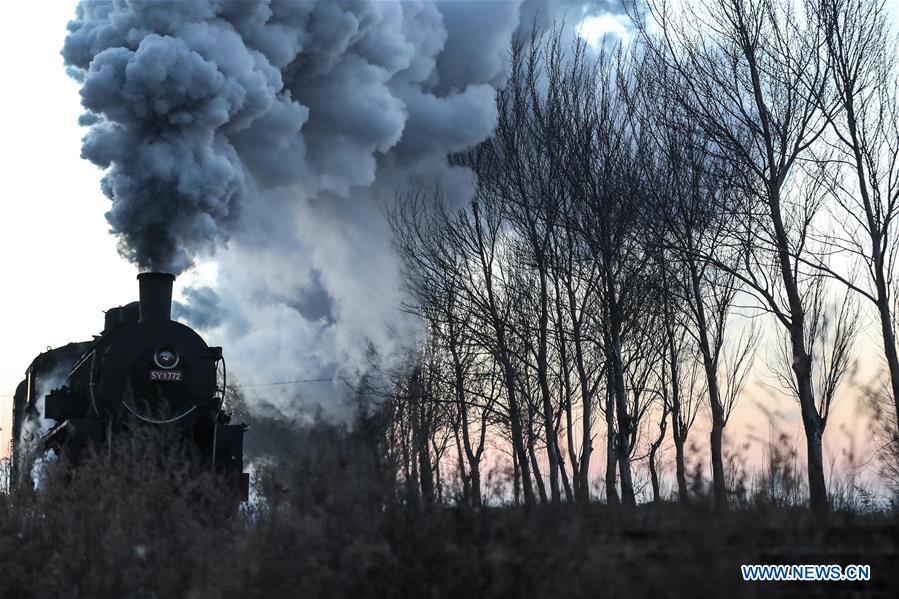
(143, 369)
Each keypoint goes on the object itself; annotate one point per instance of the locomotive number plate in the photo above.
(165, 375)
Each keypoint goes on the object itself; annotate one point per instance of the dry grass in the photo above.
(330, 520)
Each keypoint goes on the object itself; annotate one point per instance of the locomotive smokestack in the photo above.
(155, 296)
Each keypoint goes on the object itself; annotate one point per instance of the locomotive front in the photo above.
(143, 369)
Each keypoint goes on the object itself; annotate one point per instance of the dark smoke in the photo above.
(178, 99)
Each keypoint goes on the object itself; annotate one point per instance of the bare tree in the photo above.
(435, 275)
(602, 170)
(751, 75)
(862, 156)
(523, 177)
(693, 214)
(479, 231)
(678, 381)
(576, 277)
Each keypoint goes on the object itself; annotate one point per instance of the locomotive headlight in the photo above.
(166, 357)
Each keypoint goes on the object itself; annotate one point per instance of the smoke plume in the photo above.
(268, 136)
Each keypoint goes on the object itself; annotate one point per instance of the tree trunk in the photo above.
(583, 474)
(710, 368)
(516, 479)
(622, 444)
(611, 452)
(814, 428)
(566, 484)
(653, 449)
(474, 475)
(718, 483)
(876, 235)
(414, 487)
(887, 330)
(616, 384)
(425, 473)
(565, 384)
(543, 380)
(535, 465)
(518, 444)
(473, 458)
(677, 423)
(683, 495)
(653, 475)
(817, 487)
(802, 361)
(463, 475)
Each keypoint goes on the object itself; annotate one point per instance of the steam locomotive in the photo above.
(144, 369)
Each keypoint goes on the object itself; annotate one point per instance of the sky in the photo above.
(60, 269)
(60, 266)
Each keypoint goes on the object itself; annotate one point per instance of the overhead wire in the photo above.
(297, 382)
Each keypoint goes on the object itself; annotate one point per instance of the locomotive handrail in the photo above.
(92, 384)
(155, 421)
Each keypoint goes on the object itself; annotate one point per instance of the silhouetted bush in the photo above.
(329, 519)
(137, 519)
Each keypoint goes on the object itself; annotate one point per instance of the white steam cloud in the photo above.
(268, 136)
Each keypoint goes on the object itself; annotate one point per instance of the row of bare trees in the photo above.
(641, 214)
